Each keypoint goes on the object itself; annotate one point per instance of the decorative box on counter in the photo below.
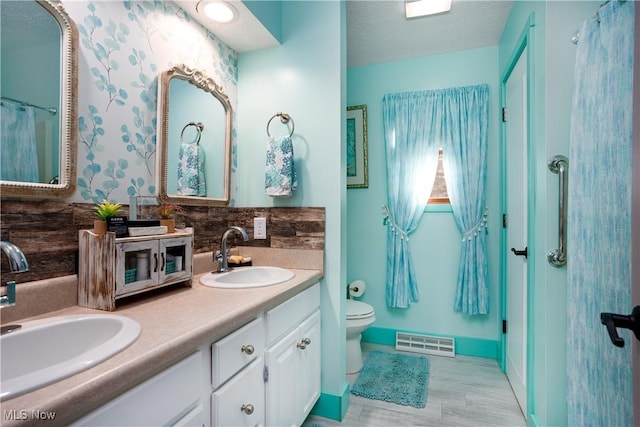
(112, 268)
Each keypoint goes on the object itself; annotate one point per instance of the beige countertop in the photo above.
(174, 323)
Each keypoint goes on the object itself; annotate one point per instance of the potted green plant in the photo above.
(104, 211)
(165, 210)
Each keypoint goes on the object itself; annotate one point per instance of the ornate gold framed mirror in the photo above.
(193, 139)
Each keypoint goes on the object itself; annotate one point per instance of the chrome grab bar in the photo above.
(560, 164)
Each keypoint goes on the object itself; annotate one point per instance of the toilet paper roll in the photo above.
(357, 288)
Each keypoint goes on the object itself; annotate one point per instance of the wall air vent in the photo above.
(439, 346)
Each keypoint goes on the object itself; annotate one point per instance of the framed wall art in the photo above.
(357, 165)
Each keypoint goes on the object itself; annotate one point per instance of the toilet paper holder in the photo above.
(356, 289)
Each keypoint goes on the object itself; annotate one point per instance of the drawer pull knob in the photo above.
(247, 409)
(304, 343)
(247, 349)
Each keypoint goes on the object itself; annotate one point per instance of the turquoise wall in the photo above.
(305, 78)
(435, 245)
(551, 81)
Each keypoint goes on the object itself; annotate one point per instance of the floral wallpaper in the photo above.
(123, 48)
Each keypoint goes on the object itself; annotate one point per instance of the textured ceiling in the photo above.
(377, 31)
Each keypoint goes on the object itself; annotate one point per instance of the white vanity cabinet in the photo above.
(111, 268)
(266, 372)
(292, 359)
(174, 397)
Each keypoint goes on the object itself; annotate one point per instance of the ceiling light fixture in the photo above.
(218, 11)
(414, 9)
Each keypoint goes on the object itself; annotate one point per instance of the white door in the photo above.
(516, 288)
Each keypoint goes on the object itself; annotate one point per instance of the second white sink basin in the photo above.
(47, 350)
(247, 277)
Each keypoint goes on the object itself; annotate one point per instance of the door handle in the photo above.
(613, 321)
(520, 253)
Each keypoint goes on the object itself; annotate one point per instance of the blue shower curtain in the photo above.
(18, 147)
(599, 377)
(465, 119)
(410, 131)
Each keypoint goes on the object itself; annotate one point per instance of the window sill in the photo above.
(438, 207)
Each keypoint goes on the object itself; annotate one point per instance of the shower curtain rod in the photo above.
(53, 111)
(576, 36)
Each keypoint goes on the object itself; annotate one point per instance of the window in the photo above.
(439, 193)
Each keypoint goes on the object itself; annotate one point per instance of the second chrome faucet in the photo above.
(17, 264)
(223, 256)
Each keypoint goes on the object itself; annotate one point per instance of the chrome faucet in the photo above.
(222, 257)
(17, 264)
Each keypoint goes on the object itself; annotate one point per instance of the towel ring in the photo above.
(284, 119)
(199, 126)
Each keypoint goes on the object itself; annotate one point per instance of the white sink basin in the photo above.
(247, 277)
(47, 350)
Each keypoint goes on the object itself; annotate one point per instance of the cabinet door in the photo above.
(174, 259)
(240, 402)
(136, 266)
(309, 374)
(282, 361)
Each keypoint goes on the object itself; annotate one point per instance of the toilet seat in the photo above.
(358, 310)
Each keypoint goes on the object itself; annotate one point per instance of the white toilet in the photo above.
(360, 316)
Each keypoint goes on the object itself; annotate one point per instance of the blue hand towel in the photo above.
(191, 179)
(280, 173)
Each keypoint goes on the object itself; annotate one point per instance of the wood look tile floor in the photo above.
(463, 391)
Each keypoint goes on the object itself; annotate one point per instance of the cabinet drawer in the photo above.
(160, 400)
(288, 314)
(240, 402)
(235, 351)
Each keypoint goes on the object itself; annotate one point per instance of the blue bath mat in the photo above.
(393, 377)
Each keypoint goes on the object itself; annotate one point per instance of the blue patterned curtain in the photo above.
(410, 131)
(599, 377)
(416, 126)
(465, 120)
